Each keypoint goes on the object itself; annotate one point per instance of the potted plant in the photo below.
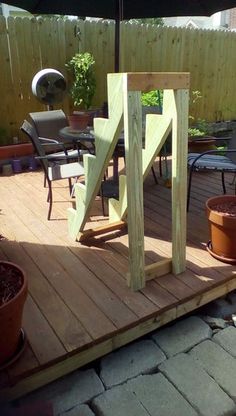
(83, 88)
(199, 139)
(199, 134)
(221, 214)
(13, 292)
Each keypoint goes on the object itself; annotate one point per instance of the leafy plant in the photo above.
(158, 21)
(152, 98)
(84, 85)
(194, 132)
(199, 128)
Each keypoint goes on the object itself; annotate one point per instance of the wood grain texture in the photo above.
(151, 81)
(134, 180)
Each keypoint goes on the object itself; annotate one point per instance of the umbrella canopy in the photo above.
(124, 10)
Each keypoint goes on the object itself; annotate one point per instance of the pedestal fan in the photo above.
(49, 86)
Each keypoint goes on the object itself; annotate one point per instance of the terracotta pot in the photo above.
(221, 213)
(11, 319)
(201, 145)
(78, 121)
(97, 112)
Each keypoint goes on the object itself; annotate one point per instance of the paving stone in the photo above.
(218, 363)
(118, 402)
(76, 388)
(138, 358)
(227, 339)
(81, 410)
(202, 392)
(182, 336)
(159, 397)
(215, 323)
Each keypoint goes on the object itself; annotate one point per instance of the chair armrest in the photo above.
(55, 158)
(46, 140)
(50, 143)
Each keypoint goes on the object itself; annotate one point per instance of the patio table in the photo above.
(77, 138)
(80, 138)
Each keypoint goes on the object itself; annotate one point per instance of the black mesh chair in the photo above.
(213, 160)
(56, 166)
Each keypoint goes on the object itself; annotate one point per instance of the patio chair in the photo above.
(55, 166)
(213, 160)
(49, 123)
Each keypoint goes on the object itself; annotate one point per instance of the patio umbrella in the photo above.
(124, 10)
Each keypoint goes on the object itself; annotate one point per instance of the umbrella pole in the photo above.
(117, 45)
(119, 17)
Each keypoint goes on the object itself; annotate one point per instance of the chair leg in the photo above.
(49, 199)
(189, 187)
(102, 200)
(234, 180)
(160, 166)
(44, 181)
(223, 181)
(70, 186)
(154, 175)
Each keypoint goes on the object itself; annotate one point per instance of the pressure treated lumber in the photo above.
(124, 100)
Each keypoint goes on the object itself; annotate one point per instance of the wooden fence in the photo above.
(28, 45)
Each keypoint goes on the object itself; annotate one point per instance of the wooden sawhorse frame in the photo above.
(124, 105)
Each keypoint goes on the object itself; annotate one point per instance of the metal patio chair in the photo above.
(213, 160)
(48, 123)
(56, 166)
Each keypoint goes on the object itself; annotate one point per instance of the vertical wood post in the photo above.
(179, 179)
(133, 155)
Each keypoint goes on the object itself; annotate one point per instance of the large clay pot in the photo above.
(78, 120)
(201, 145)
(11, 318)
(221, 213)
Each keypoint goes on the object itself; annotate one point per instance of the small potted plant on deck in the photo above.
(13, 292)
(83, 88)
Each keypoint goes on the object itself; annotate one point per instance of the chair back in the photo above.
(48, 123)
(31, 132)
(232, 146)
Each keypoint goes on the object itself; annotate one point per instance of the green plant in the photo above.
(194, 132)
(84, 84)
(199, 128)
(152, 98)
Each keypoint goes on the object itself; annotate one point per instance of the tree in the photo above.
(149, 20)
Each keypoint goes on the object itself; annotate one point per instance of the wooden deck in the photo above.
(79, 306)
